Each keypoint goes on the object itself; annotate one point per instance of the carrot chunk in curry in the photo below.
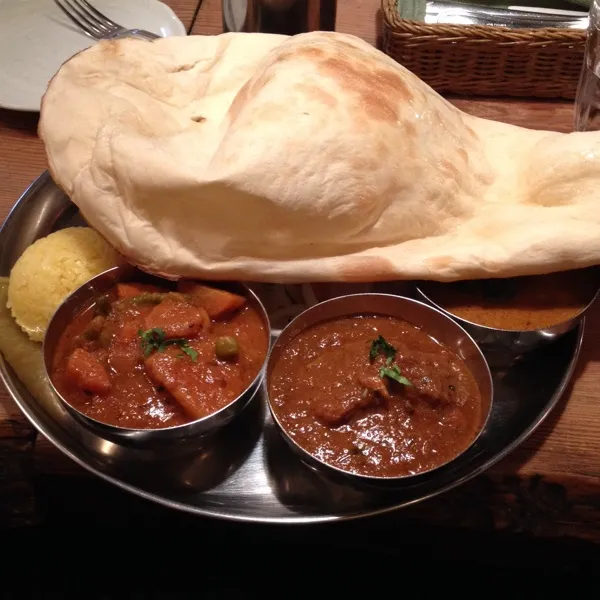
(131, 290)
(147, 357)
(217, 303)
(177, 319)
(87, 372)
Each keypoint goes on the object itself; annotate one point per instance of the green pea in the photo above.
(149, 298)
(226, 348)
(103, 305)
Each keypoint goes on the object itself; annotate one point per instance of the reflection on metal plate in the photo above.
(247, 472)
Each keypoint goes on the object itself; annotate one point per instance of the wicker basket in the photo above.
(486, 61)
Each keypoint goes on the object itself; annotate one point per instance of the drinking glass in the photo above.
(587, 100)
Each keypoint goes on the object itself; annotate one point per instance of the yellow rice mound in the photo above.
(50, 269)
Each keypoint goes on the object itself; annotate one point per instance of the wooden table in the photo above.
(548, 487)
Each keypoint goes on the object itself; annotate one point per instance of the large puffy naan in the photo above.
(308, 158)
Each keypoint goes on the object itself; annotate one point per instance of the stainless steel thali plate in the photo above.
(248, 473)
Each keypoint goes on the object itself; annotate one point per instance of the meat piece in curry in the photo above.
(146, 357)
(375, 396)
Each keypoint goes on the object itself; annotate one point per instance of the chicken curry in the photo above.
(375, 396)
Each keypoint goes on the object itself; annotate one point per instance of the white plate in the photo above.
(36, 38)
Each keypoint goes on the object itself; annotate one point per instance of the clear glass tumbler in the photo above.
(587, 101)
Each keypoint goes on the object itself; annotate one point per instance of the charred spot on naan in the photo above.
(113, 48)
(311, 52)
(317, 93)
(392, 84)
(379, 91)
(182, 67)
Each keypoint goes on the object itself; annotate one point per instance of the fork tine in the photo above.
(102, 29)
(96, 14)
(104, 23)
(81, 25)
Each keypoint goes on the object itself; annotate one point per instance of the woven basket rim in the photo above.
(399, 25)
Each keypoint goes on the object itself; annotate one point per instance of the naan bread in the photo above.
(310, 158)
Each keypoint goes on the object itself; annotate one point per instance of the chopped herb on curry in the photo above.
(151, 339)
(154, 339)
(394, 373)
(382, 346)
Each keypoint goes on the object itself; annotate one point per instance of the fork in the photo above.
(97, 25)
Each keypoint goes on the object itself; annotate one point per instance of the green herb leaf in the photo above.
(190, 352)
(381, 346)
(154, 339)
(174, 342)
(394, 373)
(151, 339)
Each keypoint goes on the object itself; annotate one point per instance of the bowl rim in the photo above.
(538, 330)
(361, 476)
(132, 270)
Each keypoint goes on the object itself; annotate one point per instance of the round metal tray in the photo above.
(248, 473)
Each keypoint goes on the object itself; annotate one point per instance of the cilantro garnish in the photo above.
(151, 339)
(391, 369)
(394, 373)
(154, 339)
(380, 346)
(190, 352)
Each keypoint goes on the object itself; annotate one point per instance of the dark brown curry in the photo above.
(375, 396)
(519, 303)
(147, 357)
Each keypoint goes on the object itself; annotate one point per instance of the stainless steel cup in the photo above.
(432, 321)
(178, 438)
(287, 17)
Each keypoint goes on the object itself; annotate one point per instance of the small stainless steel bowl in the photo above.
(503, 347)
(169, 438)
(432, 321)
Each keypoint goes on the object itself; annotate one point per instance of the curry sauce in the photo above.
(376, 396)
(519, 303)
(144, 357)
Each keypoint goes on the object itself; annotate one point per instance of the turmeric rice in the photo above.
(51, 269)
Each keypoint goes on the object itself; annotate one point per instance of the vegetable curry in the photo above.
(146, 357)
(375, 396)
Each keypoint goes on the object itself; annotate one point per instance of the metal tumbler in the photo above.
(287, 17)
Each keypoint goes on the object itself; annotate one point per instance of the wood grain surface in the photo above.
(550, 486)
(22, 160)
